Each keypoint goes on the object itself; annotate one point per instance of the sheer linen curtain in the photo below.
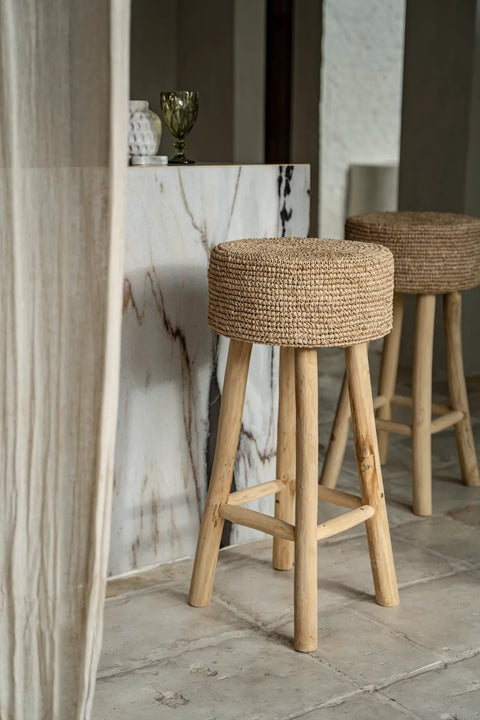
(63, 115)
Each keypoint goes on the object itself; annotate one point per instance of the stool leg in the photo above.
(338, 441)
(306, 515)
(370, 474)
(285, 499)
(457, 388)
(388, 372)
(422, 405)
(211, 526)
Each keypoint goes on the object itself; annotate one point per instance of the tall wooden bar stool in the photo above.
(300, 294)
(435, 254)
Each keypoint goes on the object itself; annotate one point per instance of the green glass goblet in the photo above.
(179, 111)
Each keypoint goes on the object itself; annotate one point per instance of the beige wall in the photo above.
(215, 47)
(153, 54)
(218, 48)
(440, 146)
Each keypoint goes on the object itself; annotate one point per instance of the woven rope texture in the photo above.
(300, 292)
(434, 252)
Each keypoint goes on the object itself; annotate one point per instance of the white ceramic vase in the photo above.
(144, 129)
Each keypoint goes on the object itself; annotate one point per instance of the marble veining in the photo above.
(172, 365)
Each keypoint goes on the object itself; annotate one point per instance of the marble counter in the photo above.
(172, 365)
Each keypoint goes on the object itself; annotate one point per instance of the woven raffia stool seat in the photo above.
(435, 253)
(300, 294)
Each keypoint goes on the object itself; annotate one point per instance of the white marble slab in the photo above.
(172, 365)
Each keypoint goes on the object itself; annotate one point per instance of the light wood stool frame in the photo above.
(295, 526)
(423, 426)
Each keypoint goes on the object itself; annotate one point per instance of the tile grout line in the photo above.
(392, 631)
(455, 562)
(465, 655)
(336, 701)
(332, 541)
(169, 653)
(431, 578)
(395, 703)
(267, 629)
(457, 565)
(427, 669)
(374, 689)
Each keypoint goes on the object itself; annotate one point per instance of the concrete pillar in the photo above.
(361, 91)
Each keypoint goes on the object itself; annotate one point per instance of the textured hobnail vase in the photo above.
(144, 129)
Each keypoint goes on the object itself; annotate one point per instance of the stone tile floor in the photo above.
(235, 661)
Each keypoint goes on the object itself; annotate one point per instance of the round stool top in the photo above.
(434, 252)
(300, 291)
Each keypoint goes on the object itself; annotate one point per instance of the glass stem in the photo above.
(179, 145)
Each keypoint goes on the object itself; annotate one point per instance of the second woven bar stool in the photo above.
(300, 294)
(435, 254)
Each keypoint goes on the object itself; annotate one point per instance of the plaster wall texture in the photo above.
(361, 94)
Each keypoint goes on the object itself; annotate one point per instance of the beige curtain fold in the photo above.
(63, 110)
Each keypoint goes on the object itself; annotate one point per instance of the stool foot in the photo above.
(388, 372)
(338, 441)
(422, 405)
(457, 388)
(306, 515)
(211, 526)
(370, 474)
(285, 499)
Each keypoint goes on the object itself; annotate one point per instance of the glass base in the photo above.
(181, 160)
